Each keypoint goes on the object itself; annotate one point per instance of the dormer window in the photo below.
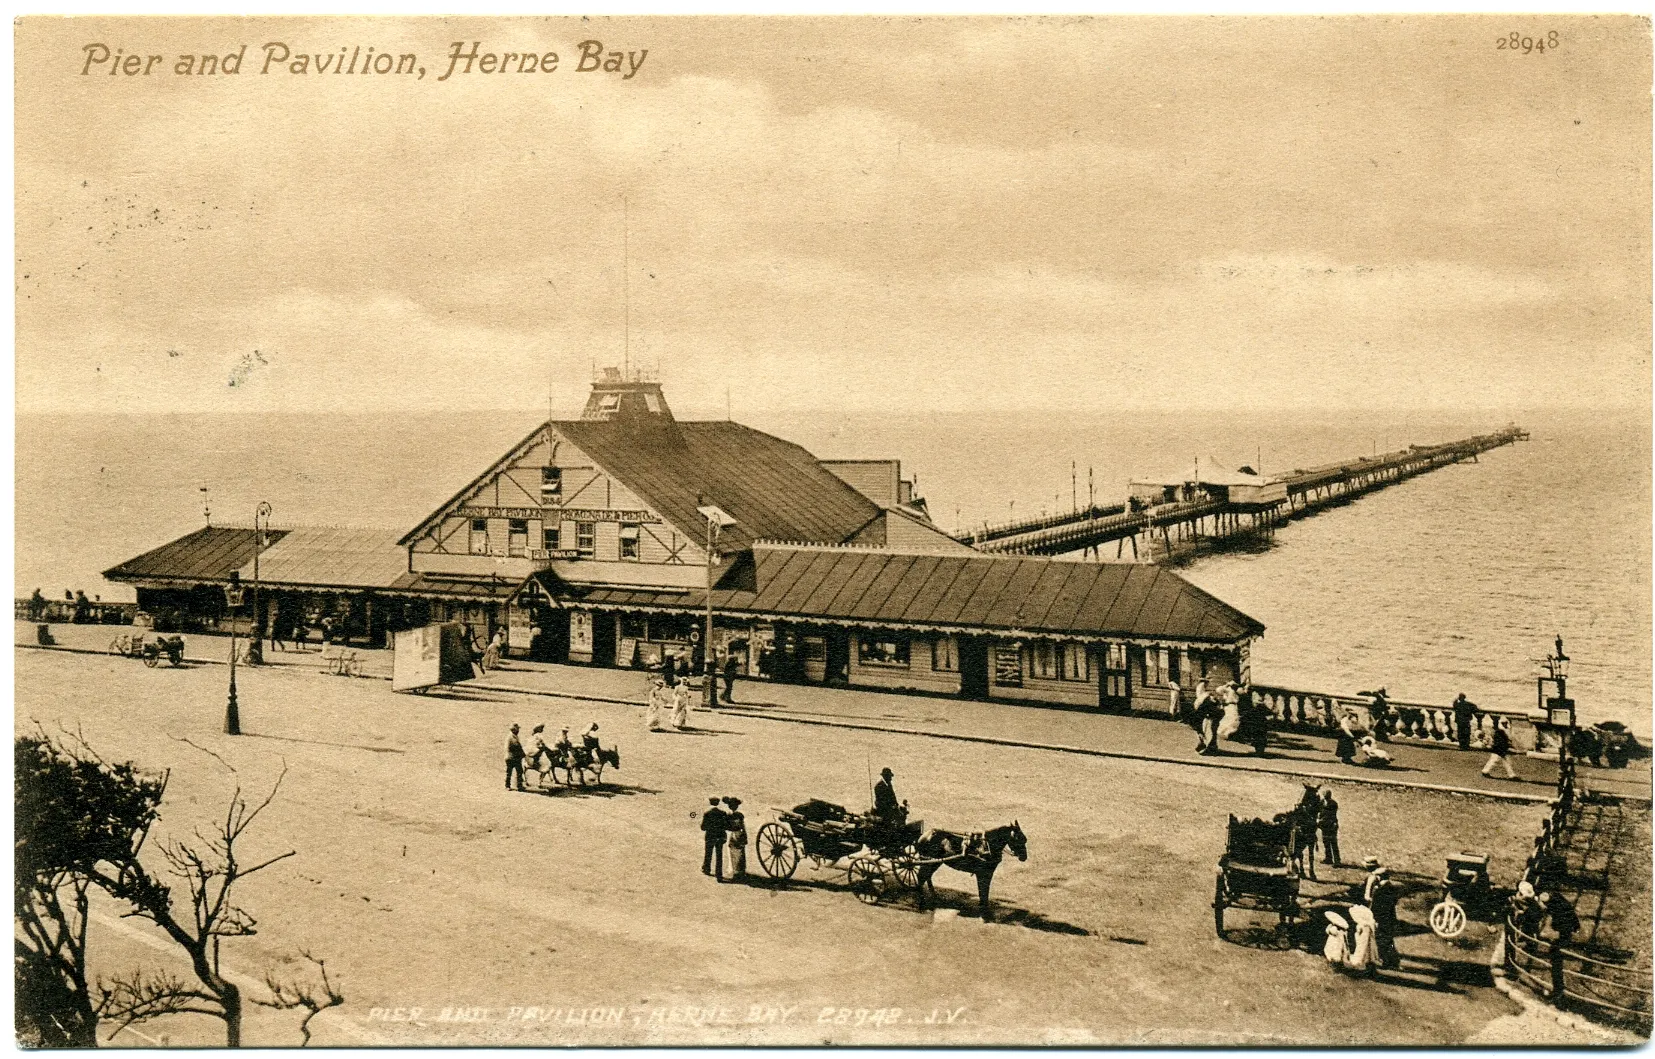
(609, 402)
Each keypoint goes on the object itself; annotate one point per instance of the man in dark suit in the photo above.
(1564, 921)
(1464, 710)
(885, 805)
(715, 823)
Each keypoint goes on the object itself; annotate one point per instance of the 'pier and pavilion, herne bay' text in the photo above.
(354, 60)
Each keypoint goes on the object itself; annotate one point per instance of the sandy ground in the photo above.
(581, 918)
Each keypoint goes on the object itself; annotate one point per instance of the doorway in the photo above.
(1114, 679)
(973, 667)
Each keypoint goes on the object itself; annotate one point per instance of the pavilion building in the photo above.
(593, 541)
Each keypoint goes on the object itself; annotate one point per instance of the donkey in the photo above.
(975, 855)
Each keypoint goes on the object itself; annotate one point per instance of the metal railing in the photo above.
(1612, 992)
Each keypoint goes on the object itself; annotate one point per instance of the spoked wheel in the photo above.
(906, 870)
(152, 660)
(867, 881)
(777, 853)
(1447, 918)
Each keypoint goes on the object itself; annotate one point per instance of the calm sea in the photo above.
(1451, 582)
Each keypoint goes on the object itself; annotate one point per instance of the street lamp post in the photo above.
(233, 596)
(716, 521)
(1559, 710)
(255, 650)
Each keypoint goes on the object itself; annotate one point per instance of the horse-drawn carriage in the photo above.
(1259, 869)
(878, 854)
(882, 856)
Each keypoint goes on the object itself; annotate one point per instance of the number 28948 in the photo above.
(1518, 42)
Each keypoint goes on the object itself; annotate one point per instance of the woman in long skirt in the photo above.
(681, 705)
(652, 709)
(736, 829)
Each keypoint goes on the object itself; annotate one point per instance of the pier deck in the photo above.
(1308, 490)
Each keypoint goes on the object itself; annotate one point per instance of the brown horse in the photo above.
(977, 855)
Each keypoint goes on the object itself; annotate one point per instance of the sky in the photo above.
(879, 214)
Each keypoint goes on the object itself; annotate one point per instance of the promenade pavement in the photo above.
(1137, 736)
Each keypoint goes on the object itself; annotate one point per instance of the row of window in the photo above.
(1043, 659)
(586, 538)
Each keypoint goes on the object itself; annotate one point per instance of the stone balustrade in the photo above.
(1414, 721)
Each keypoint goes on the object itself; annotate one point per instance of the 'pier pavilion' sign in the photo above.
(572, 514)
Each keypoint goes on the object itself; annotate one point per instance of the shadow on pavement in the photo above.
(324, 742)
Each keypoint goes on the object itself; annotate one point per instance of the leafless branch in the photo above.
(139, 996)
(288, 995)
(204, 750)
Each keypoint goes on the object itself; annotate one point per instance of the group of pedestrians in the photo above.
(721, 827)
(669, 697)
(1229, 712)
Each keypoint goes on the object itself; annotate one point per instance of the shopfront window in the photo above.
(586, 538)
(1076, 664)
(549, 538)
(882, 649)
(1043, 660)
(479, 536)
(517, 537)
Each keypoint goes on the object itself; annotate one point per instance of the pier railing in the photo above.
(1325, 712)
(1609, 990)
(64, 612)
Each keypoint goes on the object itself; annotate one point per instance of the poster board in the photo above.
(580, 634)
(1008, 665)
(626, 654)
(428, 656)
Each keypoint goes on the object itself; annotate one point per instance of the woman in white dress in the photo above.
(1230, 723)
(652, 707)
(681, 705)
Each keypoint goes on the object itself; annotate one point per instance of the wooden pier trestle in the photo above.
(1164, 526)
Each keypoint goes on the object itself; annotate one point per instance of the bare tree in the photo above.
(209, 871)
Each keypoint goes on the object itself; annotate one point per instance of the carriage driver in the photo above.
(885, 806)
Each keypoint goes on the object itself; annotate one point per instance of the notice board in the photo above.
(1008, 665)
(434, 654)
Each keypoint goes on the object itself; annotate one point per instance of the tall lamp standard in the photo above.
(255, 650)
(1559, 711)
(233, 595)
(716, 521)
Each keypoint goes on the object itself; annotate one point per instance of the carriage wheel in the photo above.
(1218, 905)
(1447, 918)
(906, 871)
(777, 853)
(867, 882)
(152, 660)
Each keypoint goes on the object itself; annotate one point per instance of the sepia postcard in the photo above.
(794, 531)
